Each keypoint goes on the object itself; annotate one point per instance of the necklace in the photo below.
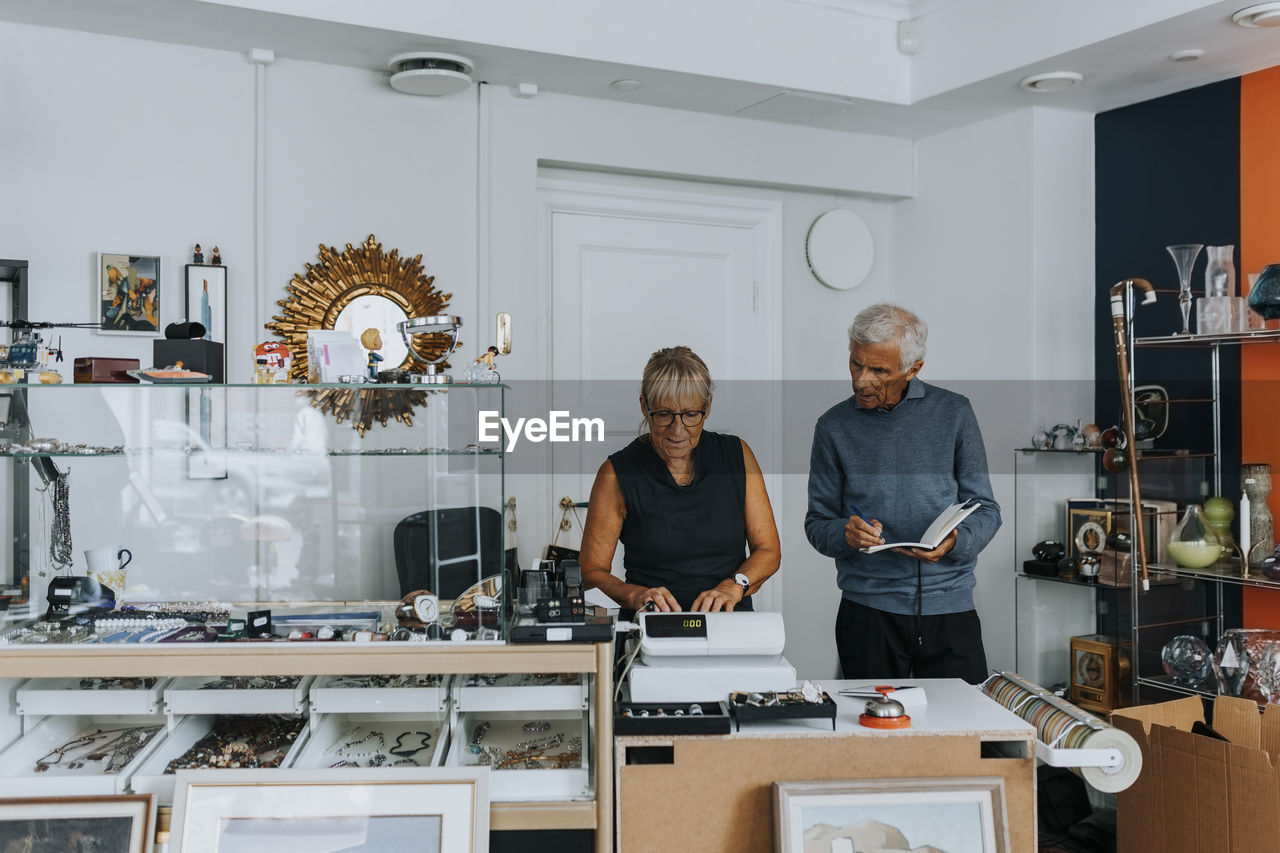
(408, 749)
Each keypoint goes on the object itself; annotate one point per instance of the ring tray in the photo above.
(670, 718)
(743, 711)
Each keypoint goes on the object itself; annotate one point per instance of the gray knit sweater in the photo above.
(901, 467)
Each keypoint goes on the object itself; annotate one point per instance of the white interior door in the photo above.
(631, 274)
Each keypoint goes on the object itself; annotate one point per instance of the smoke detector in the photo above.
(429, 72)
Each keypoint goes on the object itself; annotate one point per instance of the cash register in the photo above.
(703, 657)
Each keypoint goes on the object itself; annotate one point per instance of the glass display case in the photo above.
(157, 528)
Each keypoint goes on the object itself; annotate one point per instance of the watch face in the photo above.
(1090, 670)
(426, 608)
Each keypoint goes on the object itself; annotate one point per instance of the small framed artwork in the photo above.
(958, 815)
(123, 824)
(428, 809)
(207, 299)
(128, 294)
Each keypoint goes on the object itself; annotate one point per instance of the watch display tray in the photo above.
(365, 694)
(521, 692)
(519, 784)
(745, 713)
(19, 778)
(43, 696)
(191, 696)
(150, 777)
(660, 718)
(332, 736)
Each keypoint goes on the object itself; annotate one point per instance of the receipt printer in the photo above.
(703, 657)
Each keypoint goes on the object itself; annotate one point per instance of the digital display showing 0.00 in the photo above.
(660, 625)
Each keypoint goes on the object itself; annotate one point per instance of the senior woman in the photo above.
(688, 505)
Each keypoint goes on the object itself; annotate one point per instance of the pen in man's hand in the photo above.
(853, 508)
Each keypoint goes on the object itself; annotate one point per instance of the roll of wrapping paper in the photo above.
(1061, 725)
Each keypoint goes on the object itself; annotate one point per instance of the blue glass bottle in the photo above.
(1264, 295)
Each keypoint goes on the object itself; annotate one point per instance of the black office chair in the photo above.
(440, 549)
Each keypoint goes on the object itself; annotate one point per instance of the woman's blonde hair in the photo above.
(675, 373)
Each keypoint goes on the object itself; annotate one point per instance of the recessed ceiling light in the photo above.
(1189, 55)
(1258, 15)
(626, 85)
(1051, 81)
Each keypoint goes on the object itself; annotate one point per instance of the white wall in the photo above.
(126, 145)
(996, 253)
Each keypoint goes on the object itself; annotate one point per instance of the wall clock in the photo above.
(839, 249)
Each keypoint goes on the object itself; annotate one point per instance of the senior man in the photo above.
(886, 462)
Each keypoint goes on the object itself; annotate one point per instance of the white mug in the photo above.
(107, 564)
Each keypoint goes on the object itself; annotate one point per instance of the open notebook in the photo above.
(946, 522)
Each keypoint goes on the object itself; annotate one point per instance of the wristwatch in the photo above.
(743, 581)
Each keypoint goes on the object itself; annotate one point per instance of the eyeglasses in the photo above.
(690, 418)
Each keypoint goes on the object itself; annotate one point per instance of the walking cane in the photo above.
(1119, 294)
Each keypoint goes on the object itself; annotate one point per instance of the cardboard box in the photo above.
(1197, 793)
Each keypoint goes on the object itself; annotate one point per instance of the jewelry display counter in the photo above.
(591, 808)
(715, 792)
(192, 495)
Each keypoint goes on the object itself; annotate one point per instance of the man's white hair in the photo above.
(885, 322)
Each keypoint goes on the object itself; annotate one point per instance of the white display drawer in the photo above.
(343, 694)
(191, 696)
(358, 738)
(18, 775)
(517, 784)
(43, 696)
(150, 777)
(521, 692)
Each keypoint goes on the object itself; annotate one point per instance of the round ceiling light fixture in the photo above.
(1051, 81)
(1258, 15)
(626, 85)
(429, 72)
(1189, 55)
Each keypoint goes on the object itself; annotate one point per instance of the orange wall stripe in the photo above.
(1259, 246)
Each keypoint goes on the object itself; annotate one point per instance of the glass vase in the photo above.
(1264, 295)
(1193, 543)
(1256, 478)
(1220, 271)
(1184, 258)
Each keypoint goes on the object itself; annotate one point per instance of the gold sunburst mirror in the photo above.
(358, 288)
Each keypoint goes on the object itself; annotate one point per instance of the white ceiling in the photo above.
(826, 63)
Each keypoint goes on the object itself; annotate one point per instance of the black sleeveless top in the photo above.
(686, 538)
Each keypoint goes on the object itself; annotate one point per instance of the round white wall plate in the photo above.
(839, 249)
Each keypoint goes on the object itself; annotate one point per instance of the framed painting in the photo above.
(353, 810)
(207, 299)
(124, 824)
(946, 815)
(128, 294)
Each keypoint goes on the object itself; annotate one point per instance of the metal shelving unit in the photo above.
(1216, 577)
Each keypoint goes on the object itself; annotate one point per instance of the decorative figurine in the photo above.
(198, 256)
(271, 363)
(481, 372)
(371, 339)
(216, 259)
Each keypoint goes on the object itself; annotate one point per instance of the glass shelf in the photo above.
(1069, 581)
(135, 453)
(1164, 682)
(1261, 336)
(1219, 573)
(332, 386)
